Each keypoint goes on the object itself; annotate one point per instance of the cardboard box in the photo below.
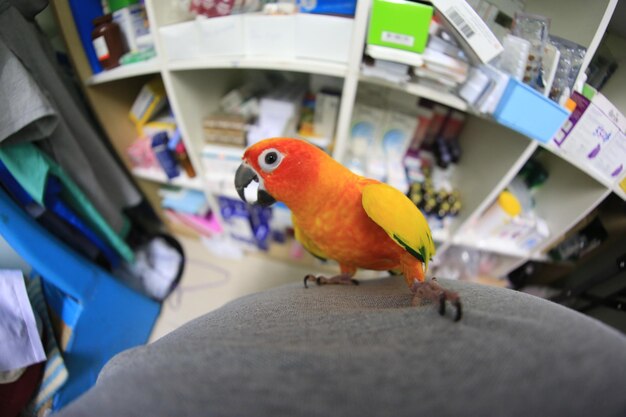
(481, 44)
(326, 38)
(221, 36)
(133, 22)
(525, 110)
(180, 41)
(595, 135)
(399, 24)
(269, 35)
(151, 99)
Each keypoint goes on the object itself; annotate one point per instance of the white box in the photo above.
(221, 36)
(180, 41)
(270, 35)
(326, 38)
(132, 21)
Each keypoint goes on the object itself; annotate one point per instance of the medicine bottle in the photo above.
(108, 41)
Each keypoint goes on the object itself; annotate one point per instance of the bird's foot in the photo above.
(431, 291)
(341, 279)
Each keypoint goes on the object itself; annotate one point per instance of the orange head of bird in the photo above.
(284, 169)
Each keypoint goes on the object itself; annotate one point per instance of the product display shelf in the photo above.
(158, 176)
(309, 66)
(493, 154)
(151, 66)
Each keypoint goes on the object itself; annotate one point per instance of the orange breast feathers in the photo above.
(335, 221)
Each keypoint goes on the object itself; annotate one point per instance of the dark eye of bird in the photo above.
(270, 158)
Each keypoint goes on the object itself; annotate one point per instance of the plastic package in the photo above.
(216, 8)
(535, 29)
(572, 56)
(515, 56)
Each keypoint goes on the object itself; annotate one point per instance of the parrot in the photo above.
(359, 222)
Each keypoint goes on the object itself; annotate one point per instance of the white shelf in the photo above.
(159, 176)
(262, 62)
(418, 90)
(126, 71)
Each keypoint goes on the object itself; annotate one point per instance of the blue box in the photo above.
(338, 7)
(525, 110)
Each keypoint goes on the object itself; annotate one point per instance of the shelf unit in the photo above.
(492, 153)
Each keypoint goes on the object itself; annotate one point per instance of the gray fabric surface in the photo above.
(25, 113)
(361, 351)
(73, 143)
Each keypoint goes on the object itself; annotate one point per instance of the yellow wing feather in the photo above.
(398, 216)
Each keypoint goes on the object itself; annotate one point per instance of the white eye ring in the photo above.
(270, 159)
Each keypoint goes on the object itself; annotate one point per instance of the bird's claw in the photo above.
(432, 291)
(311, 277)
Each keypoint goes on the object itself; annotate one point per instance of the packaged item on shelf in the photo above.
(212, 8)
(444, 68)
(108, 42)
(163, 121)
(366, 125)
(501, 212)
(184, 161)
(535, 29)
(177, 147)
(220, 164)
(150, 101)
(334, 7)
(469, 29)
(247, 224)
(133, 22)
(115, 5)
(225, 129)
(396, 136)
(280, 222)
(489, 99)
(440, 114)
(307, 114)
(424, 118)
(326, 113)
(206, 225)
(397, 56)
(595, 136)
(447, 147)
(184, 200)
(514, 57)
(164, 155)
(476, 86)
(232, 102)
(399, 24)
(571, 59)
(278, 112)
(141, 155)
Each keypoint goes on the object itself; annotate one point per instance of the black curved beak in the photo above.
(243, 177)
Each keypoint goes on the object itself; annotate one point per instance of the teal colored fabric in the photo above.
(31, 167)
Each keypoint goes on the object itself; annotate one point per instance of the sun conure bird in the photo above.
(356, 221)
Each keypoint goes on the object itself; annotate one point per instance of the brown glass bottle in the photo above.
(108, 41)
